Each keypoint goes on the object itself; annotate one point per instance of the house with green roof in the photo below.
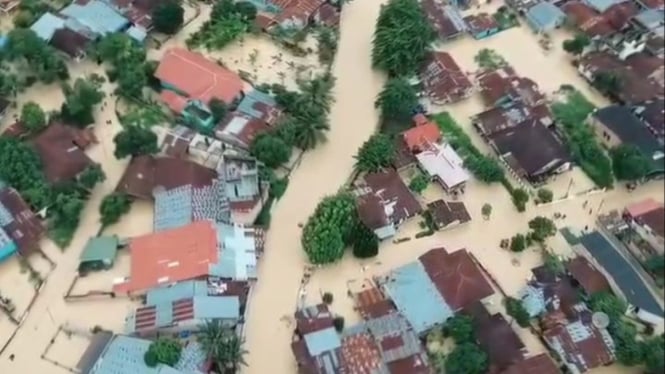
(99, 253)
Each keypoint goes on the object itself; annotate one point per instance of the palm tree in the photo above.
(223, 346)
(317, 92)
(310, 130)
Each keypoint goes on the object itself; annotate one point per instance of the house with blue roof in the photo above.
(545, 17)
(239, 249)
(124, 354)
(177, 291)
(183, 205)
(602, 5)
(47, 25)
(416, 297)
(7, 246)
(98, 16)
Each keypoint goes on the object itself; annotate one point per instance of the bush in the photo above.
(338, 322)
(518, 243)
(460, 328)
(163, 350)
(542, 228)
(419, 183)
(365, 242)
(520, 198)
(515, 309)
(263, 219)
(113, 207)
(330, 229)
(327, 298)
(545, 195)
(278, 187)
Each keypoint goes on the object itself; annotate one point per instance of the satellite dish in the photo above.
(600, 320)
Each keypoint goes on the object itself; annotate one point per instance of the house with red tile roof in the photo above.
(425, 132)
(190, 81)
(384, 202)
(293, 15)
(443, 80)
(647, 219)
(170, 256)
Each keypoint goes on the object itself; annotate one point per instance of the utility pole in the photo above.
(570, 184)
(600, 205)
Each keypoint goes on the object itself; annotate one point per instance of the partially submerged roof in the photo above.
(241, 128)
(424, 132)
(240, 247)
(440, 161)
(416, 296)
(260, 105)
(480, 23)
(652, 114)
(457, 277)
(171, 256)
(47, 25)
(443, 79)
(96, 15)
(385, 198)
(313, 318)
(623, 274)
(400, 347)
(60, 147)
(186, 204)
(650, 213)
(445, 19)
(544, 16)
(100, 248)
(628, 128)
(70, 42)
(503, 84)
(360, 352)
(538, 364)
(197, 77)
(19, 221)
(446, 212)
(502, 117)
(98, 343)
(590, 279)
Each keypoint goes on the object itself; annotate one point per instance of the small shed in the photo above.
(544, 17)
(99, 253)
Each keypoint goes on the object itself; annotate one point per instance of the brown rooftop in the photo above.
(437, 15)
(590, 279)
(380, 189)
(145, 173)
(480, 22)
(457, 277)
(371, 303)
(60, 149)
(500, 118)
(497, 85)
(403, 156)
(444, 80)
(360, 354)
(313, 318)
(25, 228)
(584, 353)
(70, 42)
(446, 212)
(538, 364)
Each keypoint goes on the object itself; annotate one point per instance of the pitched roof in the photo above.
(588, 20)
(97, 16)
(481, 22)
(144, 173)
(47, 25)
(424, 132)
(443, 163)
(177, 140)
(61, 157)
(628, 128)
(457, 277)
(261, 106)
(240, 129)
(400, 347)
(446, 20)
(623, 274)
(361, 354)
(446, 212)
(371, 303)
(416, 296)
(70, 42)
(385, 198)
(197, 77)
(538, 364)
(19, 221)
(652, 114)
(183, 205)
(403, 156)
(503, 117)
(313, 318)
(503, 83)
(649, 212)
(100, 248)
(171, 256)
(443, 79)
(544, 16)
(240, 248)
(298, 10)
(531, 148)
(589, 278)
(327, 15)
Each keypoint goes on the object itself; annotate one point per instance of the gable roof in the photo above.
(443, 79)
(197, 77)
(590, 279)
(240, 247)
(649, 212)
(445, 19)
(240, 128)
(543, 16)
(19, 221)
(628, 128)
(186, 204)
(480, 22)
(503, 83)
(384, 198)
(47, 25)
(652, 113)
(457, 277)
(360, 352)
(100, 248)
(60, 148)
(70, 42)
(424, 132)
(530, 147)
(443, 163)
(446, 212)
(96, 15)
(538, 364)
(503, 117)
(171, 256)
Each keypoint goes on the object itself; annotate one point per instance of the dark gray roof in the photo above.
(630, 283)
(622, 122)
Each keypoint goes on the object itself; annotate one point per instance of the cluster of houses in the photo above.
(401, 308)
(447, 20)
(295, 15)
(20, 229)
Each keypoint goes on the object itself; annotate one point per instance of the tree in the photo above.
(135, 141)
(609, 304)
(402, 38)
(489, 59)
(338, 323)
(168, 16)
(365, 242)
(24, 44)
(520, 198)
(419, 183)
(518, 243)
(553, 263)
(629, 163)
(92, 175)
(576, 45)
(21, 168)
(515, 309)
(486, 211)
(128, 60)
(81, 98)
(466, 358)
(628, 350)
(218, 108)
(33, 117)
(330, 228)
(608, 83)
(326, 38)
(246, 10)
(545, 195)
(460, 328)
(222, 345)
(113, 207)
(655, 264)
(163, 350)
(484, 168)
(542, 228)
(653, 351)
(270, 149)
(376, 154)
(397, 100)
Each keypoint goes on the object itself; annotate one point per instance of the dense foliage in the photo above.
(135, 141)
(326, 38)
(376, 154)
(581, 140)
(466, 358)
(460, 328)
(330, 229)
(163, 351)
(228, 21)
(113, 207)
(419, 183)
(515, 309)
(544, 195)
(128, 60)
(24, 46)
(542, 228)
(80, 100)
(92, 175)
(365, 242)
(520, 197)
(402, 38)
(33, 117)
(168, 16)
(223, 346)
(270, 149)
(489, 59)
(629, 163)
(576, 45)
(397, 100)
(518, 243)
(21, 168)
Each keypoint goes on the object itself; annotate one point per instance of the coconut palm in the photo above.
(317, 92)
(223, 346)
(310, 131)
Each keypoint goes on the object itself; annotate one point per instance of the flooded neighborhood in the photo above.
(330, 186)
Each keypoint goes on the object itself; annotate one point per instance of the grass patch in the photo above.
(581, 140)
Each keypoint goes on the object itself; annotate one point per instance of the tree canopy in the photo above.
(270, 149)
(629, 163)
(544, 195)
(397, 100)
(542, 228)
(402, 38)
(576, 45)
(163, 350)
(168, 16)
(129, 63)
(376, 154)
(460, 328)
(25, 45)
(218, 108)
(484, 168)
(135, 141)
(489, 59)
(520, 197)
(330, 229)
(518, 243)
(33, 117)
(222, 345)
(515, 309)
(608, 83)
(81, 98)
(92, 175)
(21, 168)
(466, 358)
(113, 207)
(419, 183)
(228, 21)
(365, 242)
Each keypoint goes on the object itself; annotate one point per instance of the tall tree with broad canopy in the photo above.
(365, 242)
(223, 346)
(629, 163)
(397, 100)
(81, 98)
(92, 175)
(402, 38)
(113, 207)
(168, 16)
(33, 117)
(135, 141)
(330, 228)
(376, 154)
(466, 358)
(270, 149)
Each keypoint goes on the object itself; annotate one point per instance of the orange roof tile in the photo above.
(171, 256)
(197, 77)
(424, 132)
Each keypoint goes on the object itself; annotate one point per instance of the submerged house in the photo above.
(443, 79)
(19, 222)
(190, 81)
